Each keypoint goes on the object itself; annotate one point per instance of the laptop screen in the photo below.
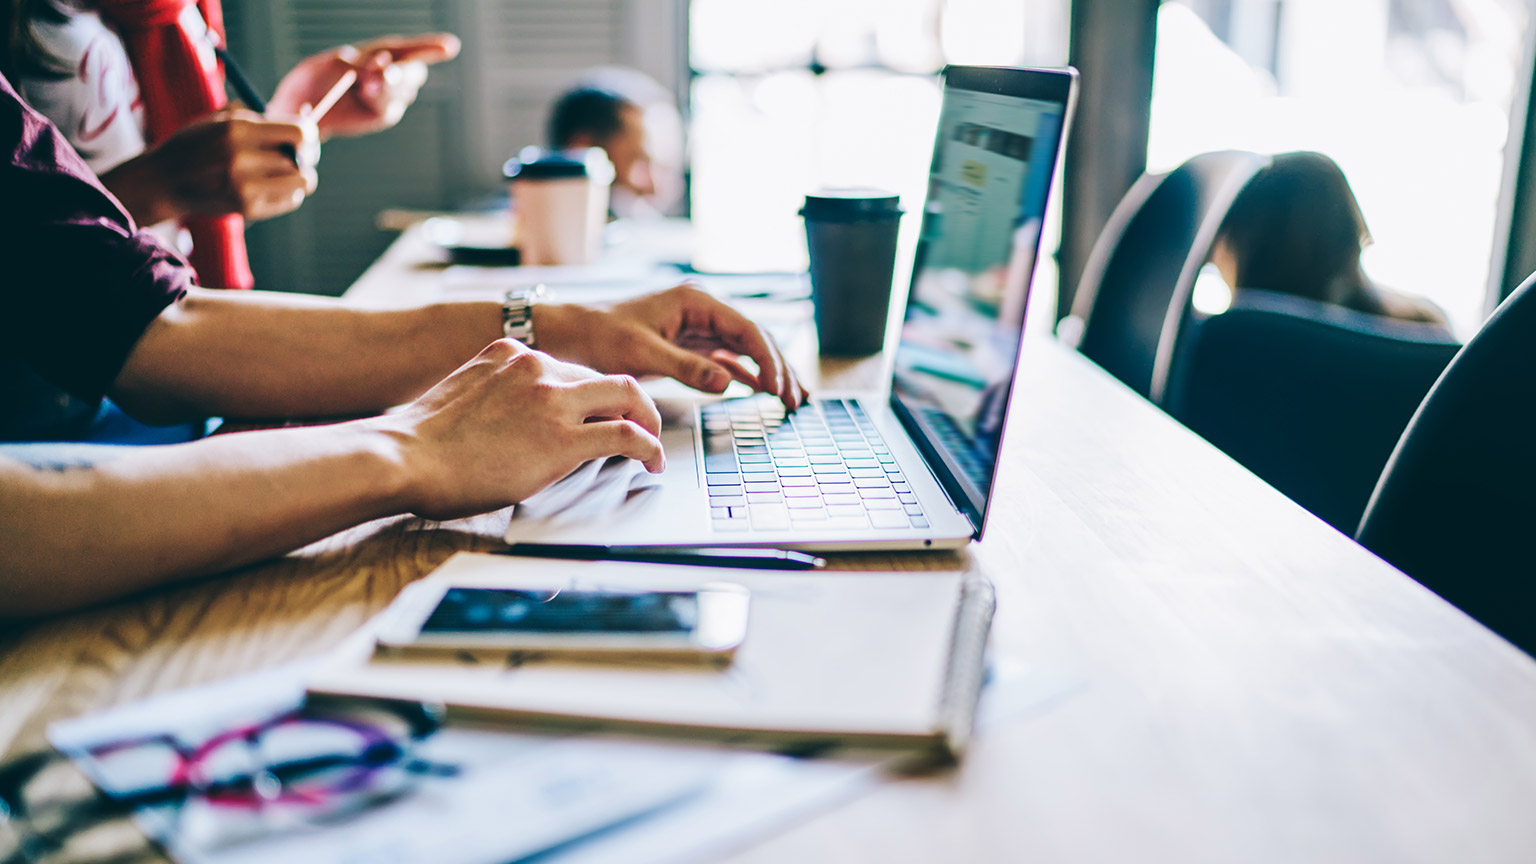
(1000, 131)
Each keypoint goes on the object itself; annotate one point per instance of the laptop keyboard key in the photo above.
(888, 519)
(844, 523)
(769, 517)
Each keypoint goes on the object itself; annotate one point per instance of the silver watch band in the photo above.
(517, 314)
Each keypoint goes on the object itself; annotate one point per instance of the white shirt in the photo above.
(98, 107)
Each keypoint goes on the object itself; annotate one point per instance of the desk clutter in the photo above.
(377, 755)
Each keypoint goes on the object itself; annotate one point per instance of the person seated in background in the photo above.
(1296, 228)
(97, 307)
(633, 119)
(136, 88)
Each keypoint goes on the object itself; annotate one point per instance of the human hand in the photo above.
(232, 161)
(512, 421)
(390, 70)
(682, 333)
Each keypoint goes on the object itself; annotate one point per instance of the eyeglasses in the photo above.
(303, 767)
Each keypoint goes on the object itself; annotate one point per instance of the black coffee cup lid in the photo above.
(535, 163)
(851, 204)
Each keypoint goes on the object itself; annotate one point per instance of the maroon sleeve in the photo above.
(78, 282)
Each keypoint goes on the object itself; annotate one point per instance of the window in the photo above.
(793, 95)
(1411, 97)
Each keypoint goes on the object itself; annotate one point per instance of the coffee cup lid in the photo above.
(850, 204)
(536, 163)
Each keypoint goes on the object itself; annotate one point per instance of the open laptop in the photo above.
(911, 471)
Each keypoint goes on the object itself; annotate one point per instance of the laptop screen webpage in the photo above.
(987, 189)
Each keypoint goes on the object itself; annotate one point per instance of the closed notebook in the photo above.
(889, 658)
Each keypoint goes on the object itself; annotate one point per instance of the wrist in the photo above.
(559, 328)
(387, 444)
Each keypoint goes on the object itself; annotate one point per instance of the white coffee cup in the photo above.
(559, 204)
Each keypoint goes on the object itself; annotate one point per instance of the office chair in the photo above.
(1309, 396)
(1455, 502)
(1143, 265)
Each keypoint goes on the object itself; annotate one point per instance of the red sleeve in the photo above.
(78, 282)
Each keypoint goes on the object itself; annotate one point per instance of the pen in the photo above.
(757, 559)
(241, 84)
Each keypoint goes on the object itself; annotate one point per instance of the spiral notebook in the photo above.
(878, 658)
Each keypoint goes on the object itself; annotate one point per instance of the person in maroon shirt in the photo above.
(97, 308)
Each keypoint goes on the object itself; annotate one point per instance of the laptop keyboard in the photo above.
(824, 467)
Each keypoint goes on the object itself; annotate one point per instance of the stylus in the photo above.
(757, 559)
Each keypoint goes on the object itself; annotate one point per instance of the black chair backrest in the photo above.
(1309, 396)
(1458, 494)
(1144, 262)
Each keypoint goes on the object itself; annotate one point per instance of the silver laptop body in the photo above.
(909, 470)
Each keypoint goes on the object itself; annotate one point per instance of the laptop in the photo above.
(913, 469)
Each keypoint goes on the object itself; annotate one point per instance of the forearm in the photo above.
(266, 354)
(158, 514)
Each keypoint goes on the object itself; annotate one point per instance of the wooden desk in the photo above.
(1258, 687)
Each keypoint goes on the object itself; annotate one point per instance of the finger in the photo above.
(426, 47)
(697, 371)
(616, 396)
(263, 163)
(732, 363)
(740, 334)
(275, 134)
(273, 196)
(620, 438)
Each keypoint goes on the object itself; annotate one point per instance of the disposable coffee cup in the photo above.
(851, 237)
(559, 204)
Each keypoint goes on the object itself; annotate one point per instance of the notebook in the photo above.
(890, 658)
(911, 469)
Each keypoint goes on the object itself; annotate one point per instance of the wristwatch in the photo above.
(517, 313)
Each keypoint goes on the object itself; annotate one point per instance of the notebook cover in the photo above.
(869, 657)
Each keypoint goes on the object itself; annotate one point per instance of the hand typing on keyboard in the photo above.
(681, 333)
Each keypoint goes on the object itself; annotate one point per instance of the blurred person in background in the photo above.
(636, 122)
(1296, 228)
